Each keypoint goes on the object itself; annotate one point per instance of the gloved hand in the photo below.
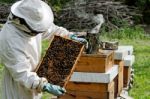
(81, 40)
(54, 89)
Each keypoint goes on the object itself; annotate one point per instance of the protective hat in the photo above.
(37, 14)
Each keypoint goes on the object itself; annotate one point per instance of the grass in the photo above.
(141, 88)
(135, 37)
(7, 1)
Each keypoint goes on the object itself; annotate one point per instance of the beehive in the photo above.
(60, 60)
(96, 63)
(90, 90)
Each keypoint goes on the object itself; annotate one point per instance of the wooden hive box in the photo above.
(96, 63)
(85, 91)
(84, 85)
(60, 60)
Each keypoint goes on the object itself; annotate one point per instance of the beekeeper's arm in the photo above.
(56, 30)
(18, 64)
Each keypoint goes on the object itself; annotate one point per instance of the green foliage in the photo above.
(142, 4)
(8, 1)
(47, 95)
(141, 86)
(1, 25)
(45, 45)
(125, 33)
(57, 4)
(119, 22)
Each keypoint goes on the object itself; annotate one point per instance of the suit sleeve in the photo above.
(56, 30)
(18, 64)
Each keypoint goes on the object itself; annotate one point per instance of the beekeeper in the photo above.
(29, 22)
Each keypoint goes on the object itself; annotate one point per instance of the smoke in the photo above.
(81, 13)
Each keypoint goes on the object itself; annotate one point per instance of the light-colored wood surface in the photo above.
(119, 79)
(82, 97)
(105, 92)
(126, 76)
(92, 87)
(95, 63)
(74, 66)
(67, 96)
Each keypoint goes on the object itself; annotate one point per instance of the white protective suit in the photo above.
(20, 54)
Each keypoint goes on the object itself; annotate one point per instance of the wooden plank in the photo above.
(91, 64)
(81, 97)
(126, 76)
(92, 87)
(101, 94)
(54, 97)
(119, 79)
(95, 77)
(67, 96)
(94, 95)
(116, 87)
(102, 54)
(95, 63)
(120, 82)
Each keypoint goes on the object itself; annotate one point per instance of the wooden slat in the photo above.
(102, 54)
(101, 94)
(92, 87)
(119, 79)
(126, 76)
(67, 96)
(94, 95)
(81, 97)
(73, 68)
